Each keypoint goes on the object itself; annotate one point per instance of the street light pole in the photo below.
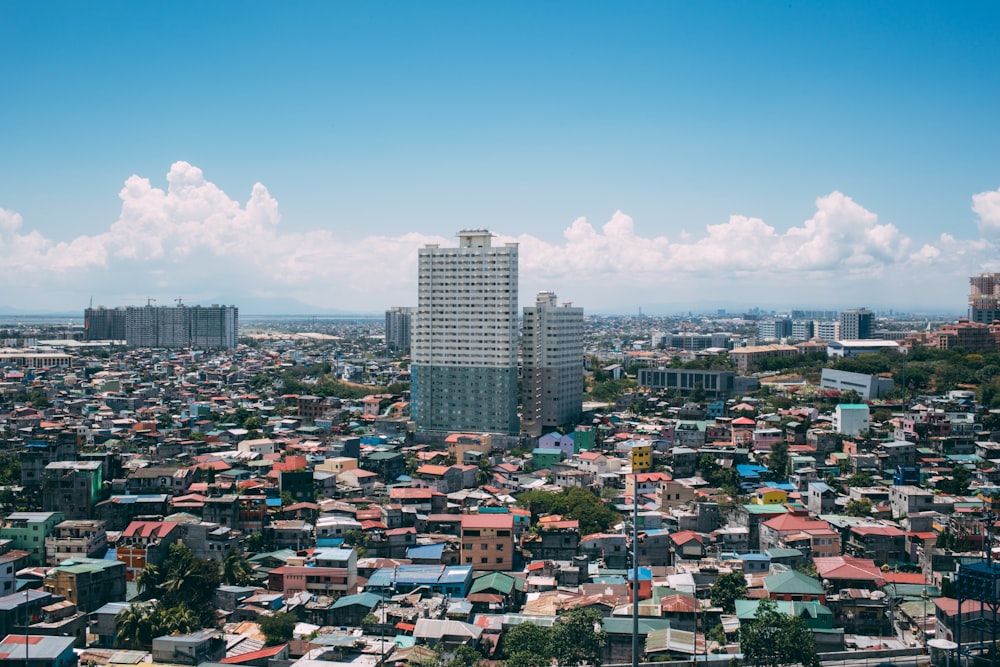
(635, 569)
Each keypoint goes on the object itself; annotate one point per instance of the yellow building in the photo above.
(642, 456)
(770, 496)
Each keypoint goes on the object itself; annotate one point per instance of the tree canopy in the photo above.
(277, 628)
(576, 638)
(727, 589)
(773, 639)
(573, 503)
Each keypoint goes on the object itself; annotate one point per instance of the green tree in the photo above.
(777, 460)
(773, 639)
(577, 638)
(132, 627)
(526, 644)
(958, 483)
(277, 628)
(236, 571)
(574, 503)
(727, 589)
(858, 507)
(862, 479)
(707, 466)
(148, 581)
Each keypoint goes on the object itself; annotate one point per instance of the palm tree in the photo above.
(131, 625)
(235, 568)
(148, 581)
(179, 619)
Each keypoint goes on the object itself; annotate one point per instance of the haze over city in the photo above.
(662, 156)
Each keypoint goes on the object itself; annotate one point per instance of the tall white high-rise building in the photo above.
(398, 323)
(552, 358)
(464, 337)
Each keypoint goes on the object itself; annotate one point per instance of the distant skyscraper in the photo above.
(464, 337)
(775, 329)
(104, 323)
(984, 298)
(181, 326)
(398, 322)
(552, 356)
(856, 324)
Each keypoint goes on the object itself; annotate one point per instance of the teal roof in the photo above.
(794, 583)
(496, 581)
(622, 625)
(369, 600)
(815, 614)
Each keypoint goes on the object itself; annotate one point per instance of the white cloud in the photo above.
(987, 206)
(193, 239)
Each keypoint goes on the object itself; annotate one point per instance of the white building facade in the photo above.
(552, 357)
(464, 337)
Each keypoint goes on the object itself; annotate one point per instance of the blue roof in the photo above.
(273, 502)
(753, 556)
(432, 551)
(749, 470)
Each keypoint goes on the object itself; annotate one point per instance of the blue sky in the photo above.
(666, 155)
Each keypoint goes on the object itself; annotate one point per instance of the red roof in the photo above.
(148, 529)
(250, 656)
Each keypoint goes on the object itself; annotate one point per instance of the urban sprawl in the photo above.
(472, 483)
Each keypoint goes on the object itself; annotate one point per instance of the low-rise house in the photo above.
(17, 650)
(191, 649)
(28, 531)
(76, 538)
(145, 542)
(89, 583)
(880, 543)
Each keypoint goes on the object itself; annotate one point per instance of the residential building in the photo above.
(76, 538)
(89, 583)
(828, 331)
(851, 419)
(967, 336)
(198, 647)
(746, 357)
(398, 323)
(778, 329)
(552, 357)
(488, 541)
(28, 530)
(17, 650)
(984, 298)
(464, 338)
(104, 323)
(880, 543)
(181, 326)
(145, 542)
(856, 324)
(72, 487)
(715, 384)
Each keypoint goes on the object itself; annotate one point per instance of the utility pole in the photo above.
(635, 569)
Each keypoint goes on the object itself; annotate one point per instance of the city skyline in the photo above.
(667, 157)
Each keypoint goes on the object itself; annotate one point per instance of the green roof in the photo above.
(496, 581)
(754, 508)
(369, 600)
(794, 583)
(815, 614)
(622, 625)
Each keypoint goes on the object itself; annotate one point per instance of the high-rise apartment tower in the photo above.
(984, 298)
(464, 337)
(552, 358)
(856, 324)
(398, 323)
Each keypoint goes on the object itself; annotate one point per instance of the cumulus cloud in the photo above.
(987, 206)
(192, 238)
